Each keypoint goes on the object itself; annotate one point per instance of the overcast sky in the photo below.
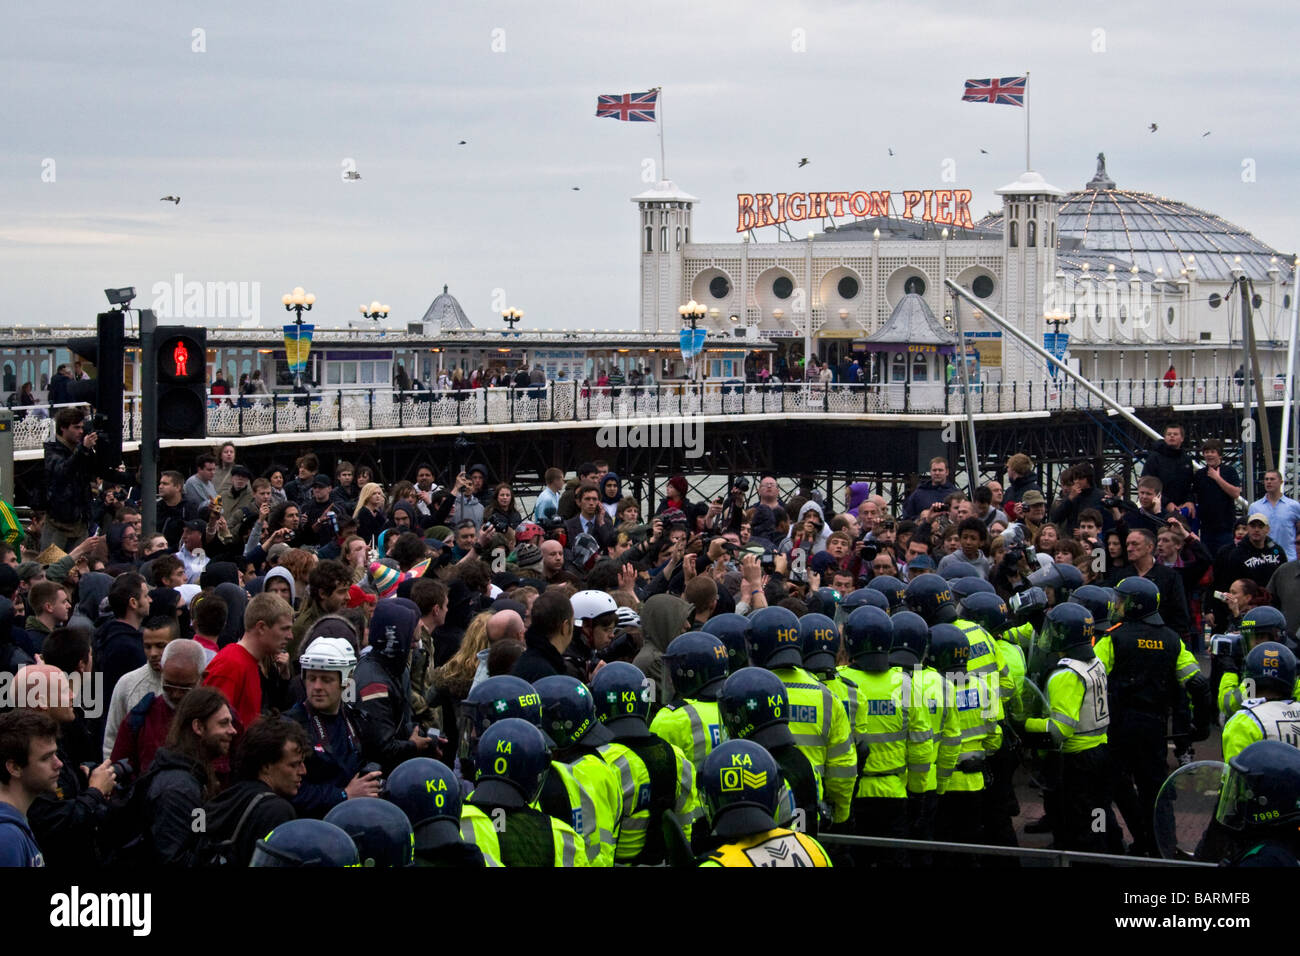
(253, 132)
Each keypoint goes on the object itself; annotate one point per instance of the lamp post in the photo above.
(298, 302)
(692, 314)
(510, 317)
(374, 311)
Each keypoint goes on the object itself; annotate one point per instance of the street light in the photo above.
(298, 302)
(374, 311)
(692, 314)
(510, 317)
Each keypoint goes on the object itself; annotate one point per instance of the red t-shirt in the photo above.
(235, 673)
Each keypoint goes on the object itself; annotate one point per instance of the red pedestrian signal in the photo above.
(182, 400)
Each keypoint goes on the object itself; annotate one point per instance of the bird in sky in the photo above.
(1154, 127)
(984, 151)
(461, 143)
(1206, 133)
(175, 199)
(576, 188)
(352, 174)
(803, 162)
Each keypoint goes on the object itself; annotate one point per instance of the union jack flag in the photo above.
(1009, 90)
(629, 107)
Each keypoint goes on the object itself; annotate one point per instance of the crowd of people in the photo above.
(314, 649)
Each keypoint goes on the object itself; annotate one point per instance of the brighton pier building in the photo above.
(1139, 282)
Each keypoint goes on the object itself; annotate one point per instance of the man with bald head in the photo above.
(65, 823)
(504, 625)
(553, 562)
(144, 729)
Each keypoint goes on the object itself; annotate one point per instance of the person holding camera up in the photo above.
(1216, 488)
(70, 467)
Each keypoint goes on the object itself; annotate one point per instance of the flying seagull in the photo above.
(891, 152)
(175, 199)
(1154, 127)
(984, 151)
(803, 162)
(576, 188)
(352, 174)
(461, 143)
(1206, 133)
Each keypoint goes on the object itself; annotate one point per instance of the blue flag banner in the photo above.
(297, 346)
(1056, 343)
(692, 341)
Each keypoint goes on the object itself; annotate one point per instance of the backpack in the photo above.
(210, 852)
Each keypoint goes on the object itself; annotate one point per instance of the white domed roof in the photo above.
(447, 313)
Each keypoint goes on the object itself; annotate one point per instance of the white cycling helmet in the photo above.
(588, 605)
(628, 618)
(329, 654)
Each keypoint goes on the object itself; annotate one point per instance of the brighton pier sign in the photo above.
(948, 207)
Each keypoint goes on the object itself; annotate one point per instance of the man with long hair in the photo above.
(182, 777)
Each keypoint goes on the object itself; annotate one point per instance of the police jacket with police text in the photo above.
(1142, 665)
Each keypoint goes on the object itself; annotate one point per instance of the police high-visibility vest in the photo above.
(775, 847)
(895, 725)
(928, 686)
(520, 837)
(1079, 703)
(985, 661)
(1261, 719)
(694, 728)
(639, 812)
(1231, 695)
(820, 726)
(970, 731)
(564, 798)
(1013, 703)
(601, 783)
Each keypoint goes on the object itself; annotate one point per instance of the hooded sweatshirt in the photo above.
(663, 617)
(279, 572)
(236, 599)
(383, 679)
(225, 809)
(119, 649)
(17, 845)
(859, 492)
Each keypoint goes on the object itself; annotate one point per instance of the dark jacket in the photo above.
(173, 791)
(384, 683)
(1017, 487)
(539, 660)
(335, 758)
(1065, 510)
(1174, 469)
(601, 530)
(924, 495)
(118, 648)
(1173, 599)
(224, 811)
(1257, 564)
(68, 473)
(66, 822)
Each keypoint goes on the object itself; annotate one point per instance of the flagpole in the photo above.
(1028, 166)
(659, 121)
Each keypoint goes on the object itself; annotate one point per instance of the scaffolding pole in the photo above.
(1039, 350)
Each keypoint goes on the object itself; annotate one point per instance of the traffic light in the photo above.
(182, 400)
(107, 353)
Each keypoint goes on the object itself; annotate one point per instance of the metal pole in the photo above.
(1260, 397)
(7, 455)
(1247, 398)
(148, 424)
(972, 454)
(1288, 399)
(1039, 350)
